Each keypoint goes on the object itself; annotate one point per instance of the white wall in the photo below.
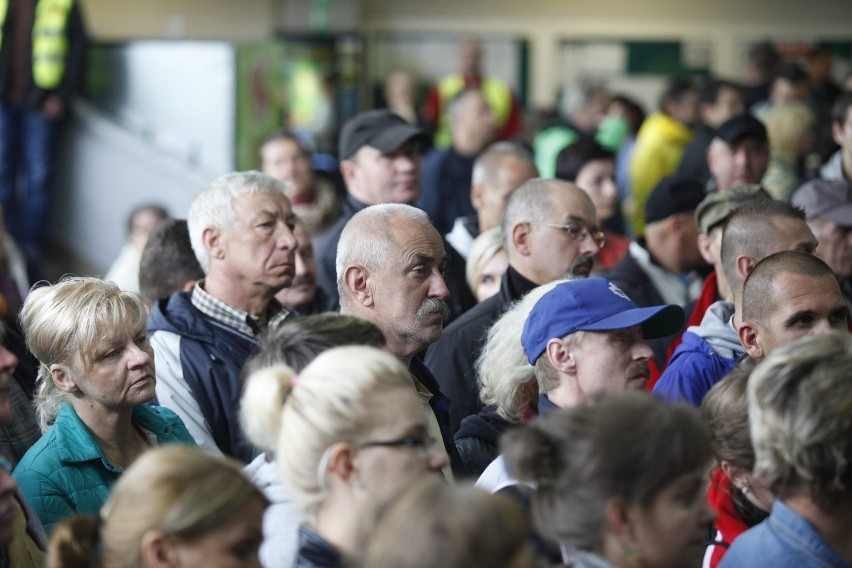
(101, 177)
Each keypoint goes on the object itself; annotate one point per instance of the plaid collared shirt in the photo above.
(235, 319)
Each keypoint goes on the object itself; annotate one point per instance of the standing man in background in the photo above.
(503, 102)
(660, 145)
(42, 51)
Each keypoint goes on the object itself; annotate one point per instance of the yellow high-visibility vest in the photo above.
(50, 42)
(498, 96)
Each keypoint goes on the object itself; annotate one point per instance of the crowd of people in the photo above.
(621, 342)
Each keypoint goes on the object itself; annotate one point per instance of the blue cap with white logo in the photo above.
(592, 304)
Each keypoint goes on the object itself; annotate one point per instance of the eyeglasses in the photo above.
(577, 234)
(423, 443)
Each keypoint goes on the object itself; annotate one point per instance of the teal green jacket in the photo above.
(65, 472)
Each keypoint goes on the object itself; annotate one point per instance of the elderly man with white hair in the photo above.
(241, 229)
(390, 271)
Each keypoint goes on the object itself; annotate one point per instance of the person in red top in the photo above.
(740, 500)
(504, 104)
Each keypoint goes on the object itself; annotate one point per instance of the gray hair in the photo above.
(487, 165)
(530, 202)
(502, 368)
(366, 238)
(213, 206)
(800, 401)
(66, 321)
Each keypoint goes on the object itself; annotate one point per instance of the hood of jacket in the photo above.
(717, 329)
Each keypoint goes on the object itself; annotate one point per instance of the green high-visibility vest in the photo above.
(50, 42)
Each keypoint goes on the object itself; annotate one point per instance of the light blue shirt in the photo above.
(784, 540)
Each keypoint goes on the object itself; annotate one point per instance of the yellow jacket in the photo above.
(660, 145)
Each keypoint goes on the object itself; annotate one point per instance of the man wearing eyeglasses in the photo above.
(660, 268)
(550, 233)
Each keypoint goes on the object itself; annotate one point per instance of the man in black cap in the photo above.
(718, 102)
(738, 154)
(380, 163)
(660, 267)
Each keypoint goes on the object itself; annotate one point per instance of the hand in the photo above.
(53, 107)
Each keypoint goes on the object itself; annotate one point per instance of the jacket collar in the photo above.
(75, 443)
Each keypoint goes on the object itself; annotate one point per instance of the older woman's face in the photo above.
(119, 371)
(399, 450)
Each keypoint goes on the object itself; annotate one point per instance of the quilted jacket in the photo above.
(66, 472)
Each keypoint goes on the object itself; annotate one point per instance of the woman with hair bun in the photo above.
(174, 507)
(351, 433)
(619, 481)
(96, 375)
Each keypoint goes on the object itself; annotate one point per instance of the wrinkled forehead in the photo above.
(410, 238)
(121, 322)
(571, 206)
(251, 205)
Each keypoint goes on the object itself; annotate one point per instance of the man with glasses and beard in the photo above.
(550, 233)
(390, 271)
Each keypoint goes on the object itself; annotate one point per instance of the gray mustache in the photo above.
(431, 305)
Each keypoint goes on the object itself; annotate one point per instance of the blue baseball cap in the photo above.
(592, 304)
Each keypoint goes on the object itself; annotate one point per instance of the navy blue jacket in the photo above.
(209, 359)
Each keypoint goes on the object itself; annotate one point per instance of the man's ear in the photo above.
(560, 356)
(212, 240)
(748, 332)
(704, 247)
(356, 280)
(476, 195)
(745, 264)
(158, 550)
(348, 170)
(837, 132)
(521, 238)
(62, 378)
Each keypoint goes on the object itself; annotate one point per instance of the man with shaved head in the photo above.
(712, 348)
(789, 295)
(550, 232)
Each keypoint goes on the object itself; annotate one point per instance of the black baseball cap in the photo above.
(381, 129)
(674, 194)
(741, 126)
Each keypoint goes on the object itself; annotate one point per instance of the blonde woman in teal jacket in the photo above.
(96, 374)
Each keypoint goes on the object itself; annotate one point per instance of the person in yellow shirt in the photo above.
(660, 145)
